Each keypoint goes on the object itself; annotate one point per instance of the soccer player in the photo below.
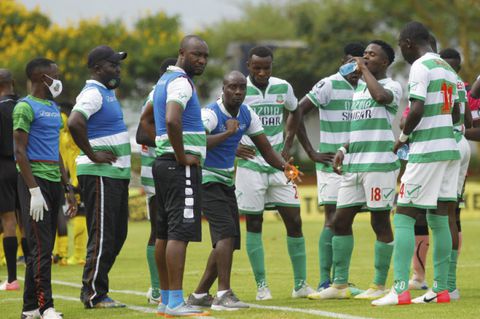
(432, 168)
(8, 179)
(452, 57)
(370, 171)
(181, 148)
(333, 98)
(261, 186)
(227, 120)
(103, 169)
(36, 124)
(422, 239)
(474, 102)
(147, 159)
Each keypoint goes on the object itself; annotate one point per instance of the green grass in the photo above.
(131, 273)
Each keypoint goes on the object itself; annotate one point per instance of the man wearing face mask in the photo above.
(36, 125)
(103, 169)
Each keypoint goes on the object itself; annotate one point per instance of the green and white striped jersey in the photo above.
(333, 98)
(433, 81)
(371, 137)
(147, 155)
(269, 106)
(462, 99)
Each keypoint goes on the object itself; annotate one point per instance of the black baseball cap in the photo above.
(104, 53)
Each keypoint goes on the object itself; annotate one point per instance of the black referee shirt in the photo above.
(7, 104)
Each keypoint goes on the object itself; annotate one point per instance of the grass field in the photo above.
(129, 279)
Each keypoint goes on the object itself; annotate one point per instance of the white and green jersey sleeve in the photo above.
(333, 98)
(147, 155)
(371, 137)
(433, 81)
(462, 100)
(269, 106)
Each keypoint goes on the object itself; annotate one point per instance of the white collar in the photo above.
(175, 68)
(223, 109)
(91, 81)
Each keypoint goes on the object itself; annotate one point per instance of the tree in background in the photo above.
(324, 25)
(26, 34)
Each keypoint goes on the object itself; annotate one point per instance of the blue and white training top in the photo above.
(219, 164)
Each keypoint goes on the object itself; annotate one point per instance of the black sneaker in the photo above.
(228, 302)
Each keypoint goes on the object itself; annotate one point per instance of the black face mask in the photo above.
(112, 83)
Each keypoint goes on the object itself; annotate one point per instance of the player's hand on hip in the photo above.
(245, 152)
(292, 172)
(37, 204)
(338, 162)
(325, 158)
(191, 160)
(104, 157)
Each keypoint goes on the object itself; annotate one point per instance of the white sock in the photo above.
(198, 296)
(220, 293)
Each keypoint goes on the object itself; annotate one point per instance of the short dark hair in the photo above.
(354, 49)
(260, 51)
(66, 107)
(185, 41)
(450, 53)
(386, 48)
(433, 42)
(166, 63)
(416, 32)
(35, 64)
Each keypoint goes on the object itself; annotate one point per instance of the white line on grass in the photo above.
(323, 313)
(316, 312)
(10, 299)
(137, 308)
(74, 285)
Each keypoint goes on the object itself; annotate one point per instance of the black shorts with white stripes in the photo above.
(178, 190)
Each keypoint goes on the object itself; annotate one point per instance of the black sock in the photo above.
(10, 246)
(26, 250)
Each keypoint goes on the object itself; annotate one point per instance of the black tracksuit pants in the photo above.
(106, 206)
(40, 236)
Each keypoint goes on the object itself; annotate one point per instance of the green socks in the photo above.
(256, 257)
(325, 254)
(152, 266)
(452, 271)
(342, 254)
(298, 257)
(383, 256)
(442, 249)
(404, 244)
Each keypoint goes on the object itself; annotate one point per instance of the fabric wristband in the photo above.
(403, 138)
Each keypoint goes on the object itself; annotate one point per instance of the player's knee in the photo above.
(421, 230)
(254, 223)
(9, 223)
(293, 224)
(381, 226)
(341, 226)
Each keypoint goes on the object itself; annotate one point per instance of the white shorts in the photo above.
(375, 190)
(464, 149)
(327, 187)
(256, 191)
(424, 184)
